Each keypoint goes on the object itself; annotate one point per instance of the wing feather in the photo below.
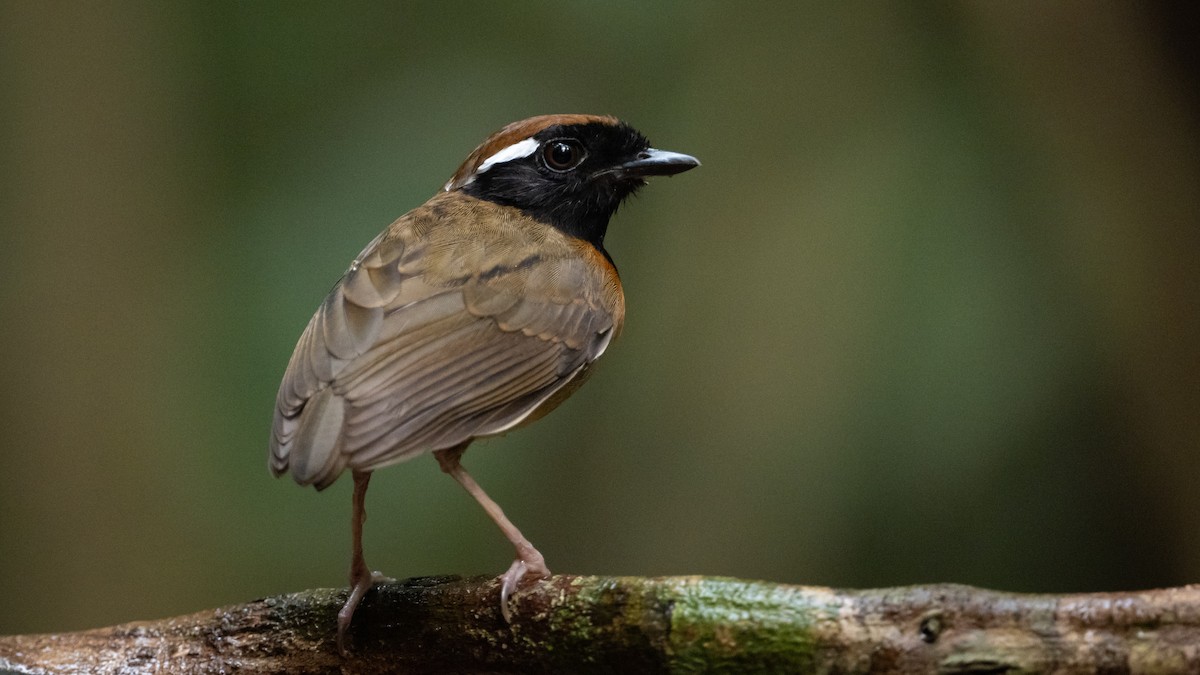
(496, 402)
(432, 339)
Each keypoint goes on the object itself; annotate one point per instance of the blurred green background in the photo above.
(928, 312)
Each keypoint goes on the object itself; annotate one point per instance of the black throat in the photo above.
(579, 218)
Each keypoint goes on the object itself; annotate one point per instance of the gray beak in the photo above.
(651, 162)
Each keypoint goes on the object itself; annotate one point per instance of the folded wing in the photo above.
(429, 341)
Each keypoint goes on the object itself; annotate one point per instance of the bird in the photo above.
(475, 313)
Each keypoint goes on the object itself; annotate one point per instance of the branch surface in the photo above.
(648, 625)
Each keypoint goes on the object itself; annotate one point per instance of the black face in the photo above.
(576, 178)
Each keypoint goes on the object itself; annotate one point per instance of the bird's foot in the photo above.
(361, 581)
(532, 566)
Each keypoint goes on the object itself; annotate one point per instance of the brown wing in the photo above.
(433, 338)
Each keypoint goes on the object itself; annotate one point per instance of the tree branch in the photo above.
(661, 625)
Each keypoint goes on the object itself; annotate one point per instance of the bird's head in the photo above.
(569, 171)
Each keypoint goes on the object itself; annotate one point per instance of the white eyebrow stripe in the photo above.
(518, 150)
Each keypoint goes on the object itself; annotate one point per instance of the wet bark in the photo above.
(648, 625)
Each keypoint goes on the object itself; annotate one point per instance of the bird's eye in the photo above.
(562, 154)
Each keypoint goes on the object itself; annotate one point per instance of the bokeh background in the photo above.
(929, 311)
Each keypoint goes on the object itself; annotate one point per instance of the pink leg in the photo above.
(361, 578)
(529, 561)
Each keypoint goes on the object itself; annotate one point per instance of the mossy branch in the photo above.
(660, 625)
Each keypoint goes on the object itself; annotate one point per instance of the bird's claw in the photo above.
(361, 582)
(510, 581)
